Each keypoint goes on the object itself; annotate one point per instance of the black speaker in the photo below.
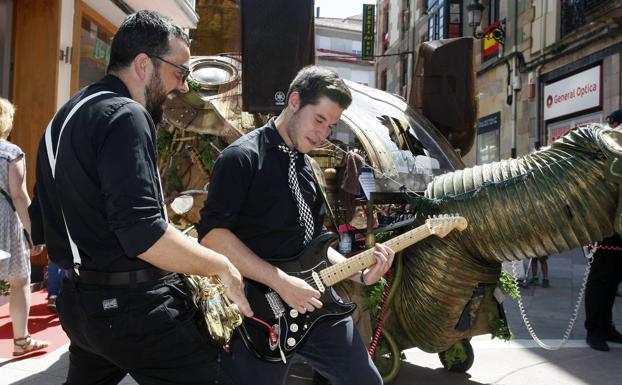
(277, 41)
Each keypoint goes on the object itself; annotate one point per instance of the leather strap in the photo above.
(321, 181)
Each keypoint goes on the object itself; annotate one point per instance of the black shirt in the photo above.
(106, 182)
(249, 194)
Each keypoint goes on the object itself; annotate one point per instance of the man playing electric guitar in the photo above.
(265, 205)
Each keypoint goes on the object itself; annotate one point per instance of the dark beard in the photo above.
(155, 96)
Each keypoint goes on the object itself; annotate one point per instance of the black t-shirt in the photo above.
(106, 183)
(249, 194)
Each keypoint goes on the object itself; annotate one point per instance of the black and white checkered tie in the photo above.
(304, 213)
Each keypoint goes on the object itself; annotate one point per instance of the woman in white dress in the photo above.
(15, 254)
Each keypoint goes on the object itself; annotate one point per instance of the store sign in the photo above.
(101, 51)
(369, 17)
(573, 94)
(489, 123)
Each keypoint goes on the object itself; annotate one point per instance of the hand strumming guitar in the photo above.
(297, 293)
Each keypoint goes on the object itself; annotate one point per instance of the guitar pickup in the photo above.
(318, 282)
(276, 305)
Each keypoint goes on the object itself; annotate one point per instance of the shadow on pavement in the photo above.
(411, 374)
(53, 375)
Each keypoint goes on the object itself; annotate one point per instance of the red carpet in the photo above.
(43, 324)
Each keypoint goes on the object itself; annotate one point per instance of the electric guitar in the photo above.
(282, 329)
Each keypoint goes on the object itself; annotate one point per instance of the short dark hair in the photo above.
(143, 32)
(313, 82)
(614, 117)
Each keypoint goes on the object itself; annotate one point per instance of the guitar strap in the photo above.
(321, 182)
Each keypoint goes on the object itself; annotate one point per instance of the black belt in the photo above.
(121, 278)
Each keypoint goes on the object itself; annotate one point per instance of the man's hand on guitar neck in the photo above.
(297, 293)
(384, 258)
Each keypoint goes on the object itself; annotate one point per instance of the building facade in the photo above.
(543, 67)
(338, 46)
(51, 48)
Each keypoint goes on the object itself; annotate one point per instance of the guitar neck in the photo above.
(343, 270)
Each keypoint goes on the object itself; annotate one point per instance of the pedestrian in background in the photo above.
(14, 233)
(602, 283)
(535, 278)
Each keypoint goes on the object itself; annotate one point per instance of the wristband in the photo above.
(363, 278)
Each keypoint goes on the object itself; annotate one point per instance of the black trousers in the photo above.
(334, 349)
(148, 331)
(601, 289)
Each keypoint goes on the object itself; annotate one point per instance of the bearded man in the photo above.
(121, 303)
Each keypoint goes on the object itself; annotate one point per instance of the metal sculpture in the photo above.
(553, 200)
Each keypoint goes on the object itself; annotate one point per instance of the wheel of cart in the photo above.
(458, 358)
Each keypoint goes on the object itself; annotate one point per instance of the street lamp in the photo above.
(474, 18)
(474, 14)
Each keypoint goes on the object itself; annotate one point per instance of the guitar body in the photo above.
(285, 329)
(291, 327)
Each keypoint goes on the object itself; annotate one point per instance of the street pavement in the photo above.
(518, 362)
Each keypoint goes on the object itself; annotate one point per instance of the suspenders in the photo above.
(52, 156)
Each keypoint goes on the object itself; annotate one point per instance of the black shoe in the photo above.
(614, 336)
(597, 344)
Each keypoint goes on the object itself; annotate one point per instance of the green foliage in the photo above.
(374, 295)
(193, 85)
(163, 144)
(455, 355)
(507, 284)
(173, 181)
(208, 153)
(5, 288)
(499, 328)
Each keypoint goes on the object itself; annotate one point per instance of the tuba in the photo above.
(221, 315)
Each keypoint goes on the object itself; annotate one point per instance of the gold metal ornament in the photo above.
(221, 315)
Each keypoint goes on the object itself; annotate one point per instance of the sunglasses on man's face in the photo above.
(185, 71)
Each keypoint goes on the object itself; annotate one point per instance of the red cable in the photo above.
(383, 309)
(604, 247)
(273, 337)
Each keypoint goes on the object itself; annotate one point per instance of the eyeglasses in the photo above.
(184, 69)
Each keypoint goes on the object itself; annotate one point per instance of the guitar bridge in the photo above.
(318, 282)
(276, 305)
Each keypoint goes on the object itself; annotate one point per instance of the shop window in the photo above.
(488, 147)
(95, 43)
(488, 138)
(444, 19)
(454, 27)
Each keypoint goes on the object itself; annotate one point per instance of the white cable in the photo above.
(590, 257)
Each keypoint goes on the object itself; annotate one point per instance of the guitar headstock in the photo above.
(441, 225)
